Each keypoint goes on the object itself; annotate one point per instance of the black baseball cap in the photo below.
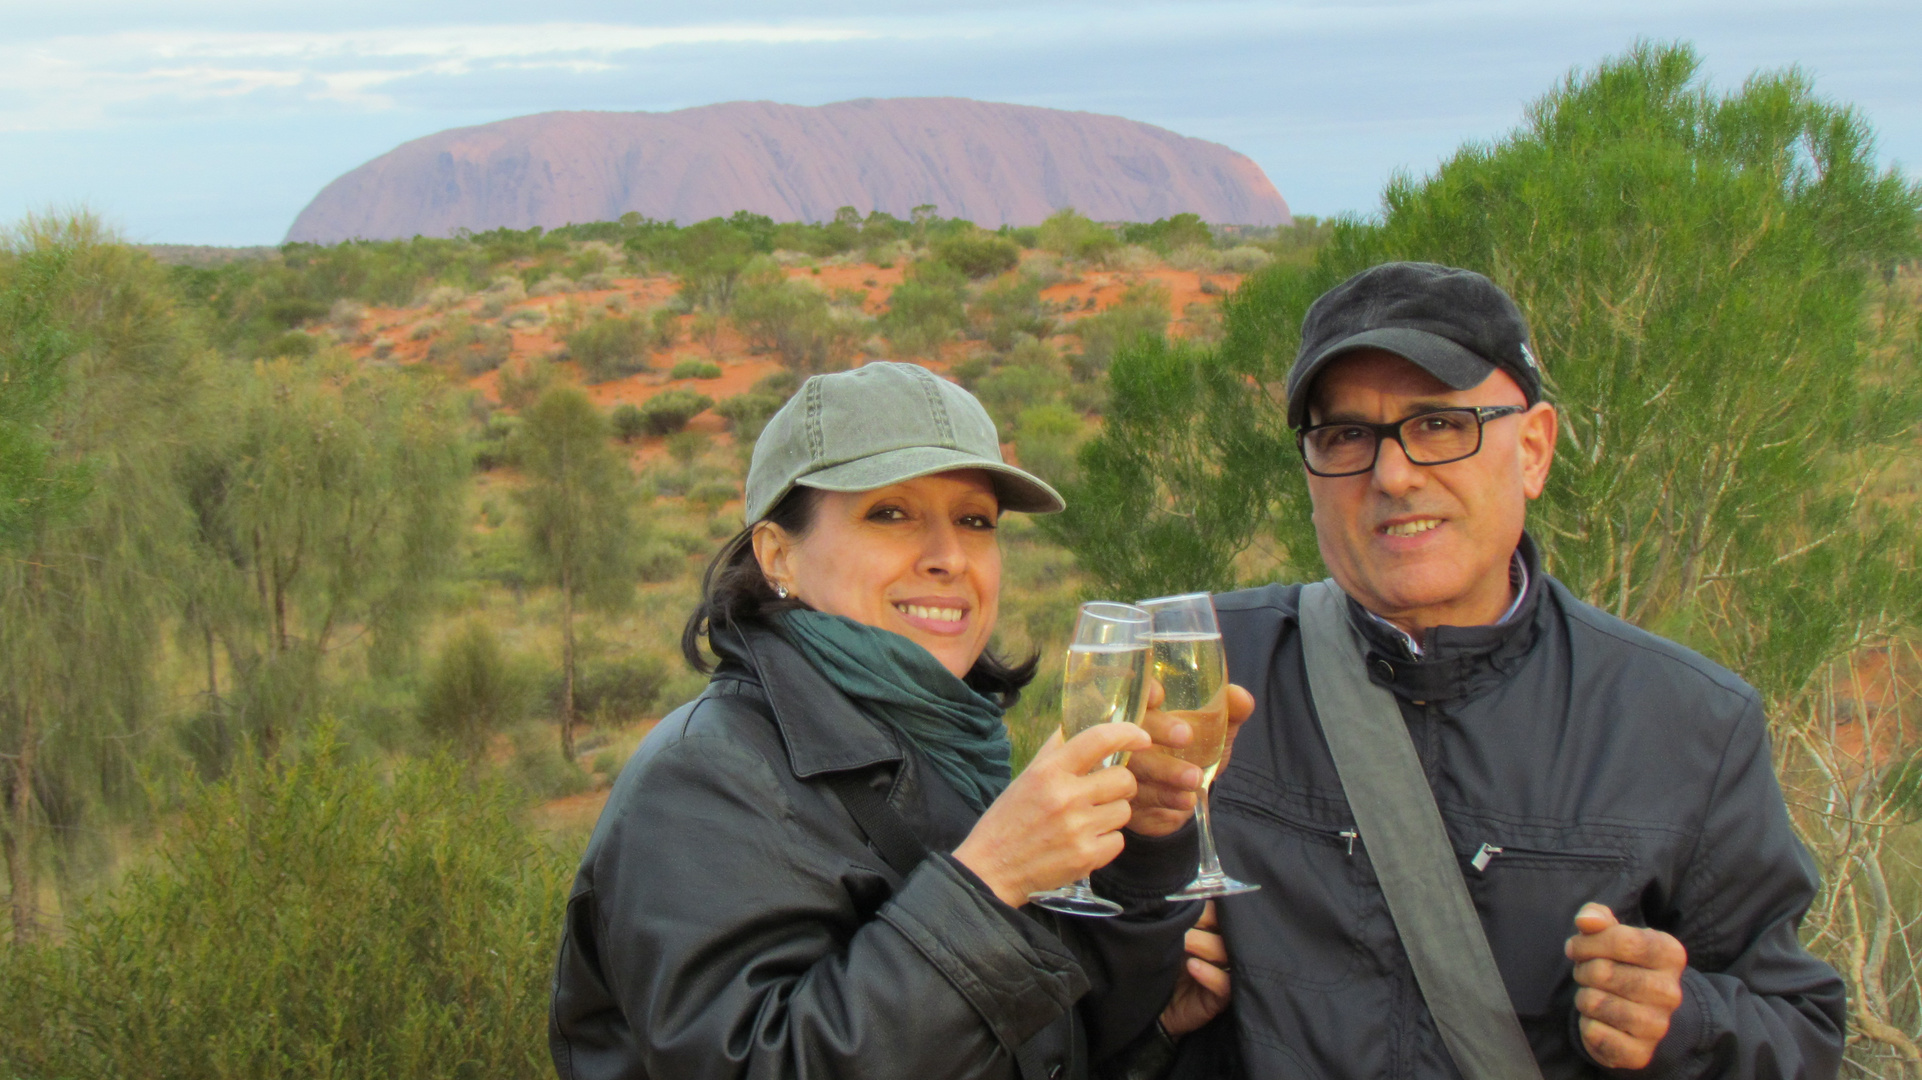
(1454, 324)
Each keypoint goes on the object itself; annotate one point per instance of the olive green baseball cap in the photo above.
(880, 424)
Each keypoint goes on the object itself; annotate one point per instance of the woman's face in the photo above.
(919, 558)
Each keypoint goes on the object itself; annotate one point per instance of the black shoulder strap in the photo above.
(886, 829)
(1408, 845)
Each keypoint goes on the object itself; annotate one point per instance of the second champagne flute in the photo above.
(1105, 682)
(1194, 681)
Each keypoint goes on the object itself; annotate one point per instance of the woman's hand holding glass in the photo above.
(1060, 820)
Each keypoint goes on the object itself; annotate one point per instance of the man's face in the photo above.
(1427, 545)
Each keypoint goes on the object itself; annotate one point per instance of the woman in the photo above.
(820, 867)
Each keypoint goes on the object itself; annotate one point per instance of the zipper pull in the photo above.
(1351, 836)
(1484, 856)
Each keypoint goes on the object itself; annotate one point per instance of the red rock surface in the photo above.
(990, 163)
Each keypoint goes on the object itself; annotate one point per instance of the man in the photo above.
(1609, 794)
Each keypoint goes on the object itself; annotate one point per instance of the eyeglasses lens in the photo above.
(1432, 438)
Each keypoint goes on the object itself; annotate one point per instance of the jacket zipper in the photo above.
(1487, 852)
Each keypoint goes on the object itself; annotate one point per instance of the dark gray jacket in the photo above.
(729, 919)
(1605, 763)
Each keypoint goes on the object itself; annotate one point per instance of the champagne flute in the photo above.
(1186, 645)
(1105, 682)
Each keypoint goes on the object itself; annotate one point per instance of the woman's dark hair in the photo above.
(735, 592)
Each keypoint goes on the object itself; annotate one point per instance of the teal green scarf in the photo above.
(901, 684)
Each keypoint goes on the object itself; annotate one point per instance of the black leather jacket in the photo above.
(729, 919)
(1574, 758)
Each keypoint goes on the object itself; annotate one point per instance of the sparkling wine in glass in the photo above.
(1186, 644)
(1104, 682)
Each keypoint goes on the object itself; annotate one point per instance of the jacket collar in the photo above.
(1456, 661)
(822, 729)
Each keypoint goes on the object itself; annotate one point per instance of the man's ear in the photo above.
(1539, 427)
(774, 550)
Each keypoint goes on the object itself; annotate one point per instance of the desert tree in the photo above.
(577, 518)
(85, 581)
(327, 510)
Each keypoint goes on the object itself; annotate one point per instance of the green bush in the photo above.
(610, 347)
(472, 690)
(664, 325)
(1010, 308)
(294, 343)
(670, 410)
(1141, 312)
(746, 414)
(977, 253)
(1013, 387)
(628, 421)
(798, 321)
(1069, 234)
(695, 369)
(926, 309)
(616, 689)
(468, 346)
(312, 919)
(1169, 235)
(659, 561)
(1045, 440)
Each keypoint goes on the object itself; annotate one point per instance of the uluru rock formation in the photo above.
(990, 163)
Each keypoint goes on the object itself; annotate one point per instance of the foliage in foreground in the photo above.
(316, 921)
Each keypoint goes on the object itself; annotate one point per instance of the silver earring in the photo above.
(781, 591)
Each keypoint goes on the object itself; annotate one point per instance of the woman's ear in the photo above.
(774, 550)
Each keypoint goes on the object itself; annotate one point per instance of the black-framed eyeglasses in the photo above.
(1435, 437)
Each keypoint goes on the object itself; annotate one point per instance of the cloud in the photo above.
(78, 81)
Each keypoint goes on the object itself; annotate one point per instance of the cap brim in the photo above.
(1453, 364)
(1014, 489)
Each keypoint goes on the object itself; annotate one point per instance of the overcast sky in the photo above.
(215, 121)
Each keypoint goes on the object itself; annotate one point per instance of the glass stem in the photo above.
(1210, 862)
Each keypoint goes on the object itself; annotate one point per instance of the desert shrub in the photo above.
(442, 298)
(977, 253)
(610, 347)
(926, 309)
(519, 385)
(1243, 259)
(471, 690)
(1142, 311)
(746, 414)
(1009, 308)
(1131, 258)
(295, 343)
(527, 319)
(345, 316)
(695, 369)
(657, 561)
(664, 325)
(1045, 440)
(539, 768)
(1069, 234)
(710, 495)
(706, 329)
(507, 287)
(616, 689)
(469, 346)
(686, 447)
(552, 285)
(670, 410)
(1169, 235)
(303, 920)
(1013, 387)
(797, 321)
(628, 421)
